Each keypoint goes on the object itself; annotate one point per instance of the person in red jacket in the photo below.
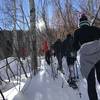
(45, 46)
(46, 52)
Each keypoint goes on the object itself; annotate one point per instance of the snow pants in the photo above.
(70, 62)
(89, 56)
(91, 81)
(59, 58)
(47, 57)
(89, 62)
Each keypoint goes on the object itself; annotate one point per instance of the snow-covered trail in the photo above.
(43, 87)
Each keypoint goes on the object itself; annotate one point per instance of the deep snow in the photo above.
(44, 87)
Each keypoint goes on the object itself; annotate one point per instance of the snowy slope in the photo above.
(12, 88)
(43, 87)
(14, 65)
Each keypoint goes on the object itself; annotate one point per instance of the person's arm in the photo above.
(76, 44)
(98, 31)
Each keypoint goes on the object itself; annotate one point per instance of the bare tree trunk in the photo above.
(1, 80)
(2, 95)
(90, 6)
(7, 74)
(22, 67)
(18, 59)
(15, 44)
(33, 46)
(8, 67)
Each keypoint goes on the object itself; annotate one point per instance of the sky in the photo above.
(25, 4)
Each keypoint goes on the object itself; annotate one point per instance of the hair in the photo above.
(69, 35)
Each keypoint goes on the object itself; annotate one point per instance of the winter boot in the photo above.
(60, 69)
(72, 83)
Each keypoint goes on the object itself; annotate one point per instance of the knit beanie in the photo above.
(83, 21)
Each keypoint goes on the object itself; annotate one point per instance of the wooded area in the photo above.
(42, 20)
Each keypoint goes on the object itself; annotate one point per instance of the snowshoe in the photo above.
(61, 70)
(72, 84)
(72, 79)
(56, 75)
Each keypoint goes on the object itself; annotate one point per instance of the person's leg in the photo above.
(59, 58)
(71, 81)
(47, 58)
(70, 66)
(91, 85)
(97, 66)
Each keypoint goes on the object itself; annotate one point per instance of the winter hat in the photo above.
(83, 21)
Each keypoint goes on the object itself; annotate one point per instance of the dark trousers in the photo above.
(59, 58)
(47, 57)
(91, 82)
(70, 62)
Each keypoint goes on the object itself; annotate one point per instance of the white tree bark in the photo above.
(15, 43)
(33, 46)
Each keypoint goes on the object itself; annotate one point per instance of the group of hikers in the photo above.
(84, 42)
(62, 49)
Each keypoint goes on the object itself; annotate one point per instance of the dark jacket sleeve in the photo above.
(97, 32)
(76, 44)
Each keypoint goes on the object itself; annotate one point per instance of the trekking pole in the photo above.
(52, 68)
(62, 83)
(77, 64)
(96, 16)
(78, 83)
(80, 94)
(2, 95)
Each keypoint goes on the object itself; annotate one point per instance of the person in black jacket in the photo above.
(57, 46)
(49, 54)
(68, 53)
(68, 45)
(86, 34)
